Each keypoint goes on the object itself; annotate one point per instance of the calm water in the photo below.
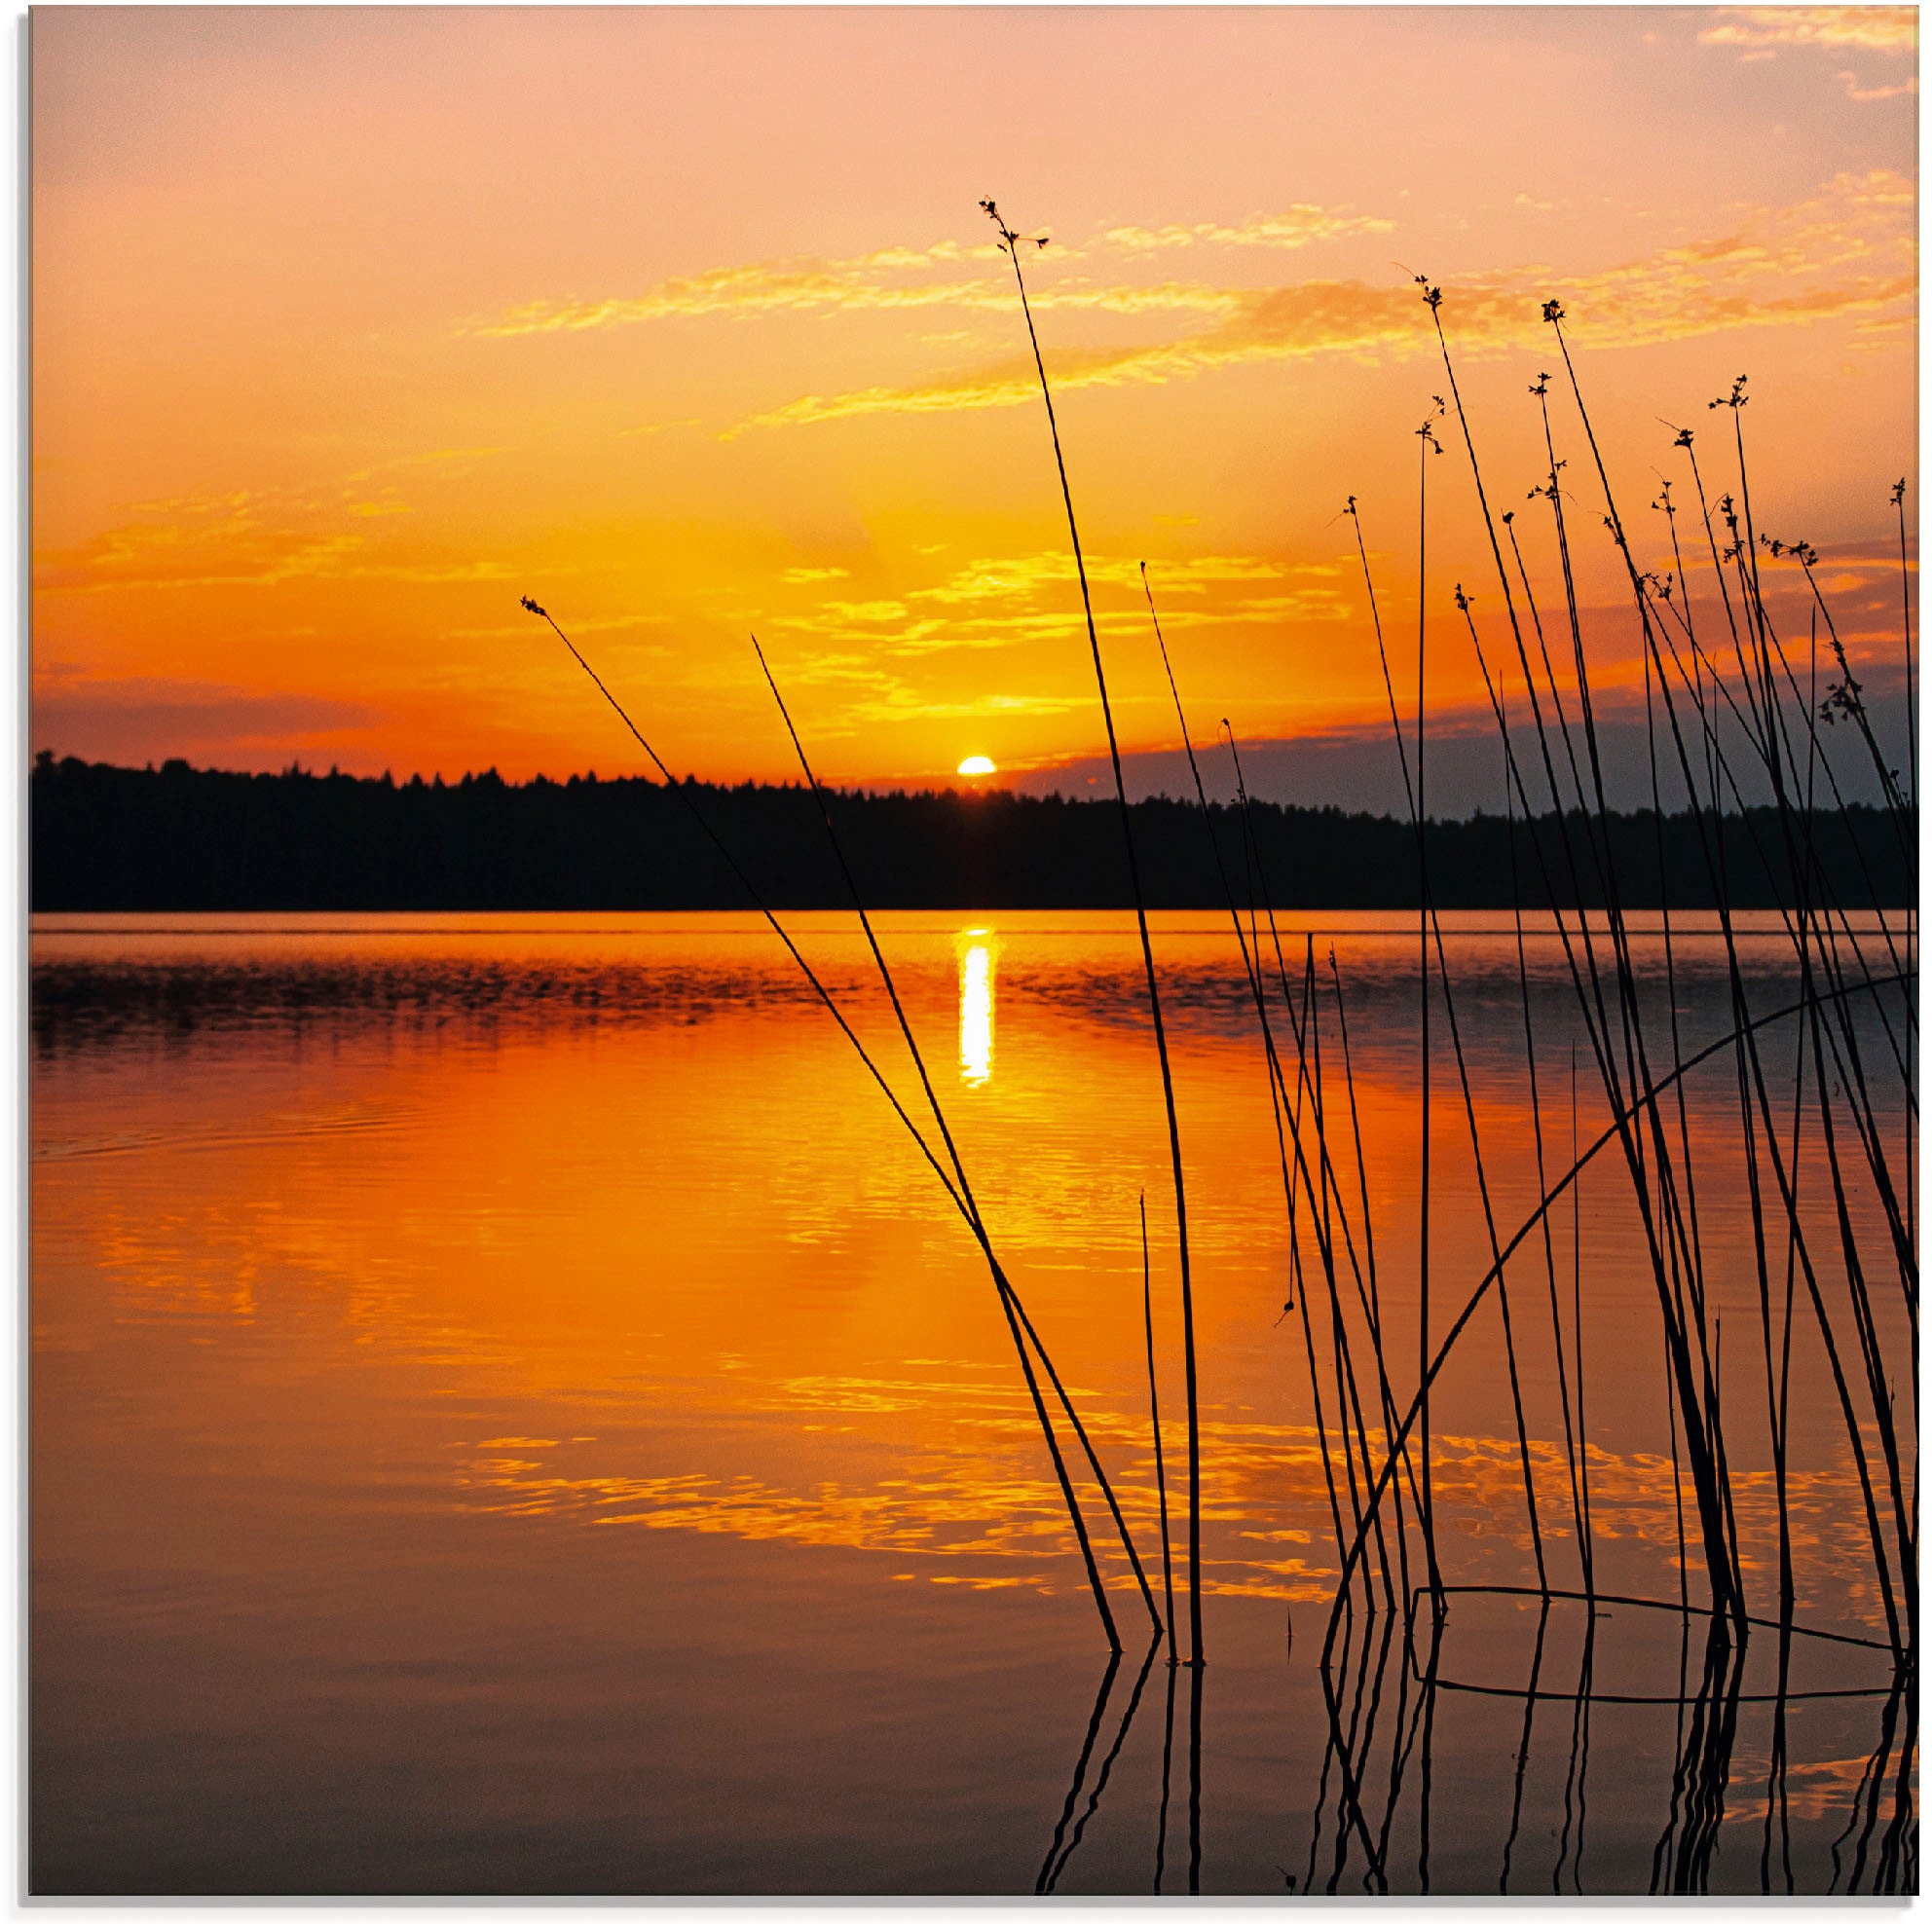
(513, 1412)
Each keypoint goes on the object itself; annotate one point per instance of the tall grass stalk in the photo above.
(1704, 1449)
(1009, 241)
(1008, 1294)
(1283, 1108)
(1615, 1131)
(1571, 1430)
(1009, 1301)
(1757, 623)
(1433, 931)
(1426, 435)
(1154, 1408)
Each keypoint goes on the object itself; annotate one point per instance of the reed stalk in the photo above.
(1008, 1299)
(1154, 1408)
(1428, 443)
(1009, 241)
(972, 1208)
(1347, 1390)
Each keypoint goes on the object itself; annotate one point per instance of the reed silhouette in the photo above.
(1008, 1299)
(1817, 1149)
(1019, 1326)
(1651, 1124)
(1009, 241)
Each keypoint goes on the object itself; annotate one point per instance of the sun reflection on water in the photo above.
(976, 1006)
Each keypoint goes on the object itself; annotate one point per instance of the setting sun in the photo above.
(977, 764)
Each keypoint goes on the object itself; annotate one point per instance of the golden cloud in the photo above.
(1881, 29)
(262, 537)
(999, 602)
(1847, 251)
(1296, 228)
(876, 280)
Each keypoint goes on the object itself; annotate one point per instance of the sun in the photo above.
(977, 764)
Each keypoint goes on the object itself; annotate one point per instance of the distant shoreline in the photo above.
(179, 840)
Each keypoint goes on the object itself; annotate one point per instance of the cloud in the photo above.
(229, 554)
(149, 718)
(999, 601)
(867, 692)
(248, 537)
(1853, 92)
(1296, 228)
(1002, 580)
(1847, 251)
(743, 293)
(1881, 29)
(1003, 387)
(233, 554)
(900, 703)
(878, 280)
(1356, 766)
(798, 286)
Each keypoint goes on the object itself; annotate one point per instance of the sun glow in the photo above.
(975, 1008)
(977, 764)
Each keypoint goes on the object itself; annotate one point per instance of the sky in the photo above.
(353, 326)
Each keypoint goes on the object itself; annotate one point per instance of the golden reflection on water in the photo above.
(430, 1298)
(976, 1006)
(446, 1188)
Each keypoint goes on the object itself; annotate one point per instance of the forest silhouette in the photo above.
(181, 838)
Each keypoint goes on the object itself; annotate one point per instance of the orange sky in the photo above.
(351, 327)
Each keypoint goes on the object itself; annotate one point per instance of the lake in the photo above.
(514, 1412)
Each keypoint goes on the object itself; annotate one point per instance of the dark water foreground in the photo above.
(511, 1416)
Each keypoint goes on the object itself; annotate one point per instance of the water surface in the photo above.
(514, 1412)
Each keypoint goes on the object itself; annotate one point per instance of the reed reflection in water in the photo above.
(509, 1415)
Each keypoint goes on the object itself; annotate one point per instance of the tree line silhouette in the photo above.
(111, 839)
